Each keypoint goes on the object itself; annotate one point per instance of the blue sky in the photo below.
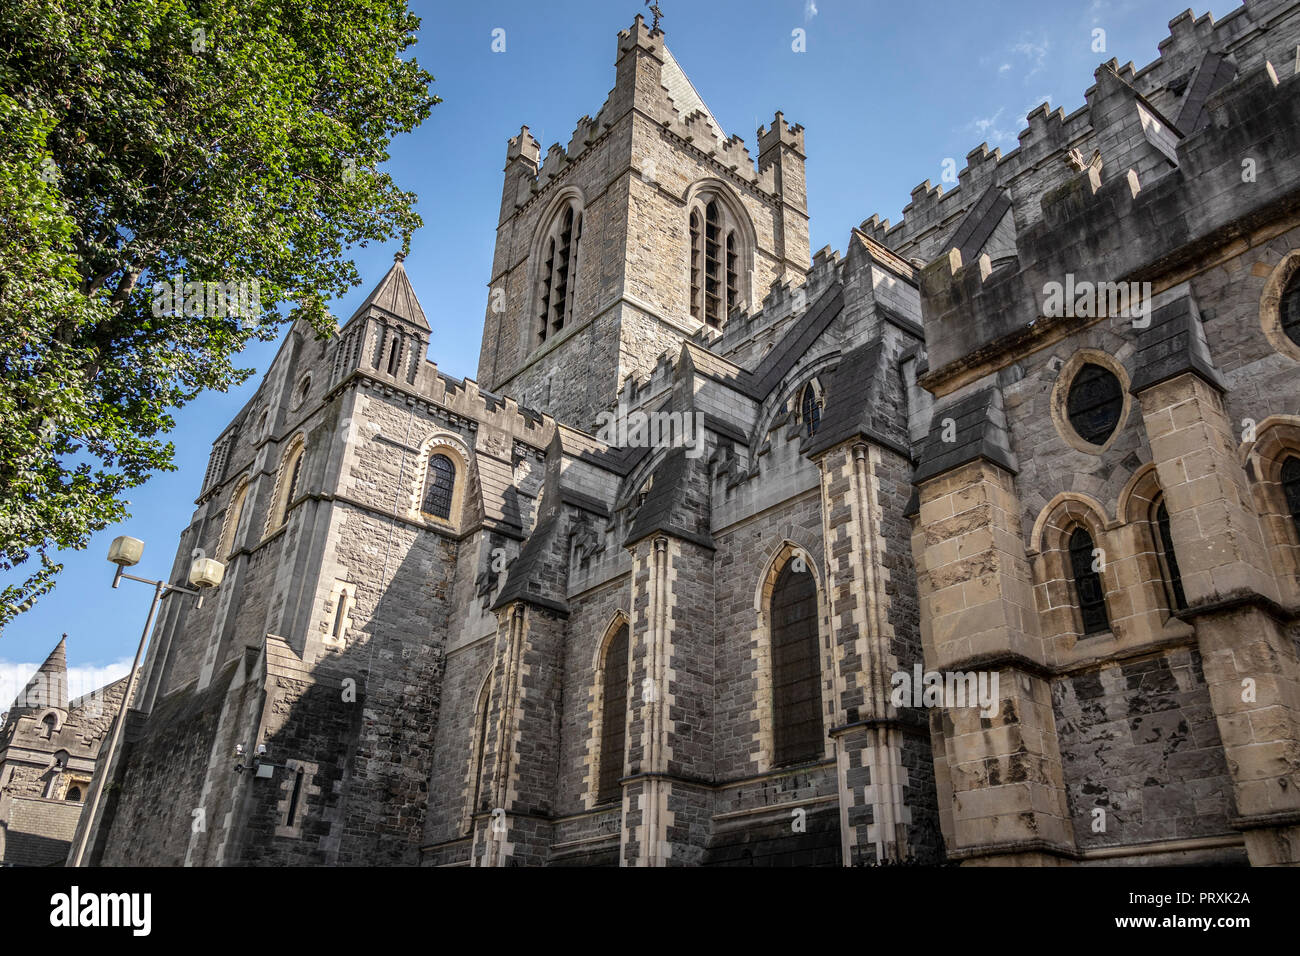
(886, 92)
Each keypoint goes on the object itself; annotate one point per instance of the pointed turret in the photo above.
(49, 685)
(388, 334)
(395, 296)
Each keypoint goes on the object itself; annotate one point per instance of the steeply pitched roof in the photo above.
(395, 296)
(859, 404)
(49, 685)
(684, 95)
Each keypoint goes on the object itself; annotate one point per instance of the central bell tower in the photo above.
(651, 225)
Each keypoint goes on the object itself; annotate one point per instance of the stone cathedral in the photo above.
(977, 542)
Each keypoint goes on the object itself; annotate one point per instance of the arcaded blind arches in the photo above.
(1087, 583)
(439, 486)
(796, 673)
(613, 720)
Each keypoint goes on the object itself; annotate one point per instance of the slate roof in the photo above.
(980, 431)
(1173, 343)
(857, 403)
(979, 224)
(666, 505)
(39, 831)
(1214, 73)
(524, 579)
(683, 94)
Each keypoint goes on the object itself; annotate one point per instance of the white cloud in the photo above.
(1005, 68)
(994, 130)
(1035, 53)
(809, 10)
(14, 676)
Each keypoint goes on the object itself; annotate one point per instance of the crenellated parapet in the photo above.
(1199, 57)
(1229, 176)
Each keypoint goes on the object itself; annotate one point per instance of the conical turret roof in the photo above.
(395, 295)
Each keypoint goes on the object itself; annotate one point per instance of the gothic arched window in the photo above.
(233, 515)
(796, 672)
(1087, 583)
(73, 794)
(613, 719)
(1290, 308)
(1168, 559)
(717, 262)
(558, 279)
(480, 745)
(287, 490)
(810, 410)
(440, 484)
(1291, 488)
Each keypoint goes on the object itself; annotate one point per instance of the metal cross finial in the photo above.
(654, 9)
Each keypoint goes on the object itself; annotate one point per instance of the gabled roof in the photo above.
(395, 295)
(684, 95)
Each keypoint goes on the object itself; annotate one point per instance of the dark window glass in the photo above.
(713, 253)
(697, 264)
(1291, 488)
(1087, 583)
(796, 672)
(1094, 403)
(811, 411)
(613, 722)
(548, 275)
(1172, 574)
(294, 797)
(1291, 308)
(441, 481)
(73, 794)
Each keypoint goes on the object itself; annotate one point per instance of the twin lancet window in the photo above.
(715, 264)
(559, 277)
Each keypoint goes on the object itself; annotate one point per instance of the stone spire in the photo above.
(395, 296)
(49, 685)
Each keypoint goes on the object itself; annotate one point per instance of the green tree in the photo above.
(227, 141)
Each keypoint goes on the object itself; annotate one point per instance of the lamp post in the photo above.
(125, 552)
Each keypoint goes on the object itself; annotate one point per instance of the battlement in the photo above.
(524, 147)
(680, 112)
(1037, 164)
(780, 134)
(1124, 227)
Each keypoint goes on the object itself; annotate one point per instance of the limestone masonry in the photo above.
(538, 619)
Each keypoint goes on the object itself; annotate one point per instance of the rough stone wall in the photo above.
(1139, 741)
(745, 551)
(151, 805)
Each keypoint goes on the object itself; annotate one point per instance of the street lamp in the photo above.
(126, 552)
